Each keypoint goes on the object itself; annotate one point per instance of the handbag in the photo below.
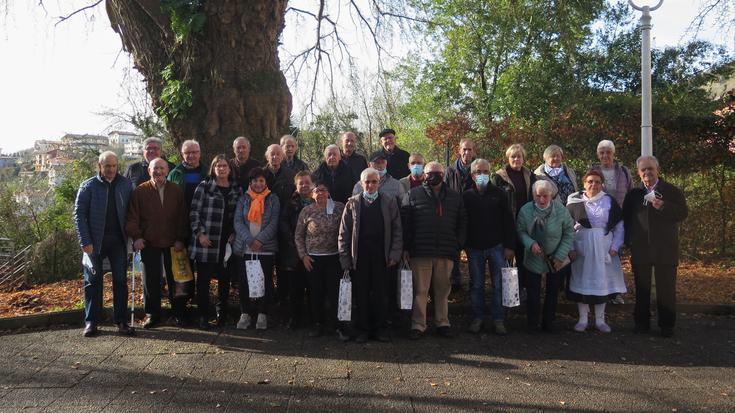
(182, 273)
(553, 268)
(511, 297)
(344, 303)
(405, 287)
(255, 276)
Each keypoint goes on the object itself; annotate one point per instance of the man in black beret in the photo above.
(397, 158)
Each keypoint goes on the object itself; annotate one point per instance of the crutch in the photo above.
(137, 269)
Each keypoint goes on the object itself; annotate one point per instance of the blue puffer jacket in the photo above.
(90, 209)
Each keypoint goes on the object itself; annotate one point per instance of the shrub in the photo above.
(56, 257)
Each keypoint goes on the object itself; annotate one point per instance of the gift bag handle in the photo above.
(346, 275)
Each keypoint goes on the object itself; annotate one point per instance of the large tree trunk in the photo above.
(231, 66)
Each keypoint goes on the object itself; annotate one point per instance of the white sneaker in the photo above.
(580, 327)
(244, 322)
(603, 327)
(262, 322)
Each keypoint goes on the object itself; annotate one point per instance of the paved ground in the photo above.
(175, 370)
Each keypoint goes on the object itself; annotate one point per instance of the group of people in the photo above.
(370, 217)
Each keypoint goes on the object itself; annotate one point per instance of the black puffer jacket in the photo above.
(288, 257)
(433, 226)
(339, 184)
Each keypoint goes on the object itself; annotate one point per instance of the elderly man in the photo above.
(189, 173)
(242, 163)
(652, 213)
(370, 242)
(335, 174)
(416, 177)
(156, 222)
(435, 226)
(291, 161)
(138, 172)
(354, 160)
(397, 158)
(491, 238)
(99, 216)
(389, 186)
(459, 178)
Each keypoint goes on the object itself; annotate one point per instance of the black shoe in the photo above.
(90, 329)
(293, 324)
(204, 323)
(640, 329)
(125, 330)
(341, 336)
(444, 331)
(415, 334)
(549, 329)
(221, 320)
(317, 331)
(382, 336)
(667, 332)
(150, 322)
(361, 338)
(180, 322)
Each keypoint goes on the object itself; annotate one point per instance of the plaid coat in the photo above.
(208, 210)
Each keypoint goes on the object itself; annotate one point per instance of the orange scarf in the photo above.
(257, 205)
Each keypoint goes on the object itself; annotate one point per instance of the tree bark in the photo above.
(231, 66)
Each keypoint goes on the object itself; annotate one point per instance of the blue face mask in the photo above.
(482, 180)
(382, 173)
(370, 197)
(417, 169)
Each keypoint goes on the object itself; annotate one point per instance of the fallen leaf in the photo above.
(152, 392)
(433, 384)
(266, 381)
(562, 402)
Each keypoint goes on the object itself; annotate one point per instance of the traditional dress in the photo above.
(596, 275)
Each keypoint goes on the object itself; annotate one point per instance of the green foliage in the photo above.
(56, 257)
(187, 17)
(176, 97)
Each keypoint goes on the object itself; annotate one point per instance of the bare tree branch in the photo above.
(77, 11)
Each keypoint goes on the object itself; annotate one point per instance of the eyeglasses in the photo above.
(319, 190)
(372, 181)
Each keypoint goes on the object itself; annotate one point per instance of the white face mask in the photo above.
(482, 180)
(370, 197)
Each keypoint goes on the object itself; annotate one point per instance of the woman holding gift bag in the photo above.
(370, 241)
(211, 218)
(256, 229)
(596, 272)
(316, 234)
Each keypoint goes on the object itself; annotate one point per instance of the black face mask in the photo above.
(434, 178)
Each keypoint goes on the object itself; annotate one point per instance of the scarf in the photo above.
(552, 172)
(540, 216)
(257, 205)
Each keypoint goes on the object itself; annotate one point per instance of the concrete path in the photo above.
(186, 370)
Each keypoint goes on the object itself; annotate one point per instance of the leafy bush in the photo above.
(56, 257)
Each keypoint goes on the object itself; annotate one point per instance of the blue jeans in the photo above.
(117, 253)
(477, 259)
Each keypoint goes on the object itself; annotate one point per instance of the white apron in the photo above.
(595, 272)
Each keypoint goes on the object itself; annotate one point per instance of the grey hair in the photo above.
(152, 163)
(417, 155)
(330, 147)
(189, 142)
(286, 138)
(606, 143)
(367, 172)
(349, 132)
(432, 163)
(104, 155)
(516, 147)
(476, 164)
(551, 149)
(153, 139)
(544, 185)
(271, 148)
(465, 140)
(240, 138)
(647, 158)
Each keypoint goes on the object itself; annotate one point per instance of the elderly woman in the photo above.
(211, 220)
(547, 232)
(491, 239)
(317, 230)
(335, 174)
(617, 180)
(256, 229)
(370, 241)
(555, 171)
(596, 271)
(289, 265)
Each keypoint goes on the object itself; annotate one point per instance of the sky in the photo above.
(56, 79)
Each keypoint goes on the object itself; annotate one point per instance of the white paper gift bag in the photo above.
(510, 287)
(405, 287)
(256, 278)
(344, 304)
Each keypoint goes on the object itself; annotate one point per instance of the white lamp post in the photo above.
(646, 127)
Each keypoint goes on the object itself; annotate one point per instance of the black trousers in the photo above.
(205, 271)
(323, 288)
(533, 303)
(256, 305)
(371, 282)
(522, 271)
(665, 294)
(283, 282)
(152, 258)
(298, 290)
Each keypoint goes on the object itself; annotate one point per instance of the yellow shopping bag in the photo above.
(183, 275)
